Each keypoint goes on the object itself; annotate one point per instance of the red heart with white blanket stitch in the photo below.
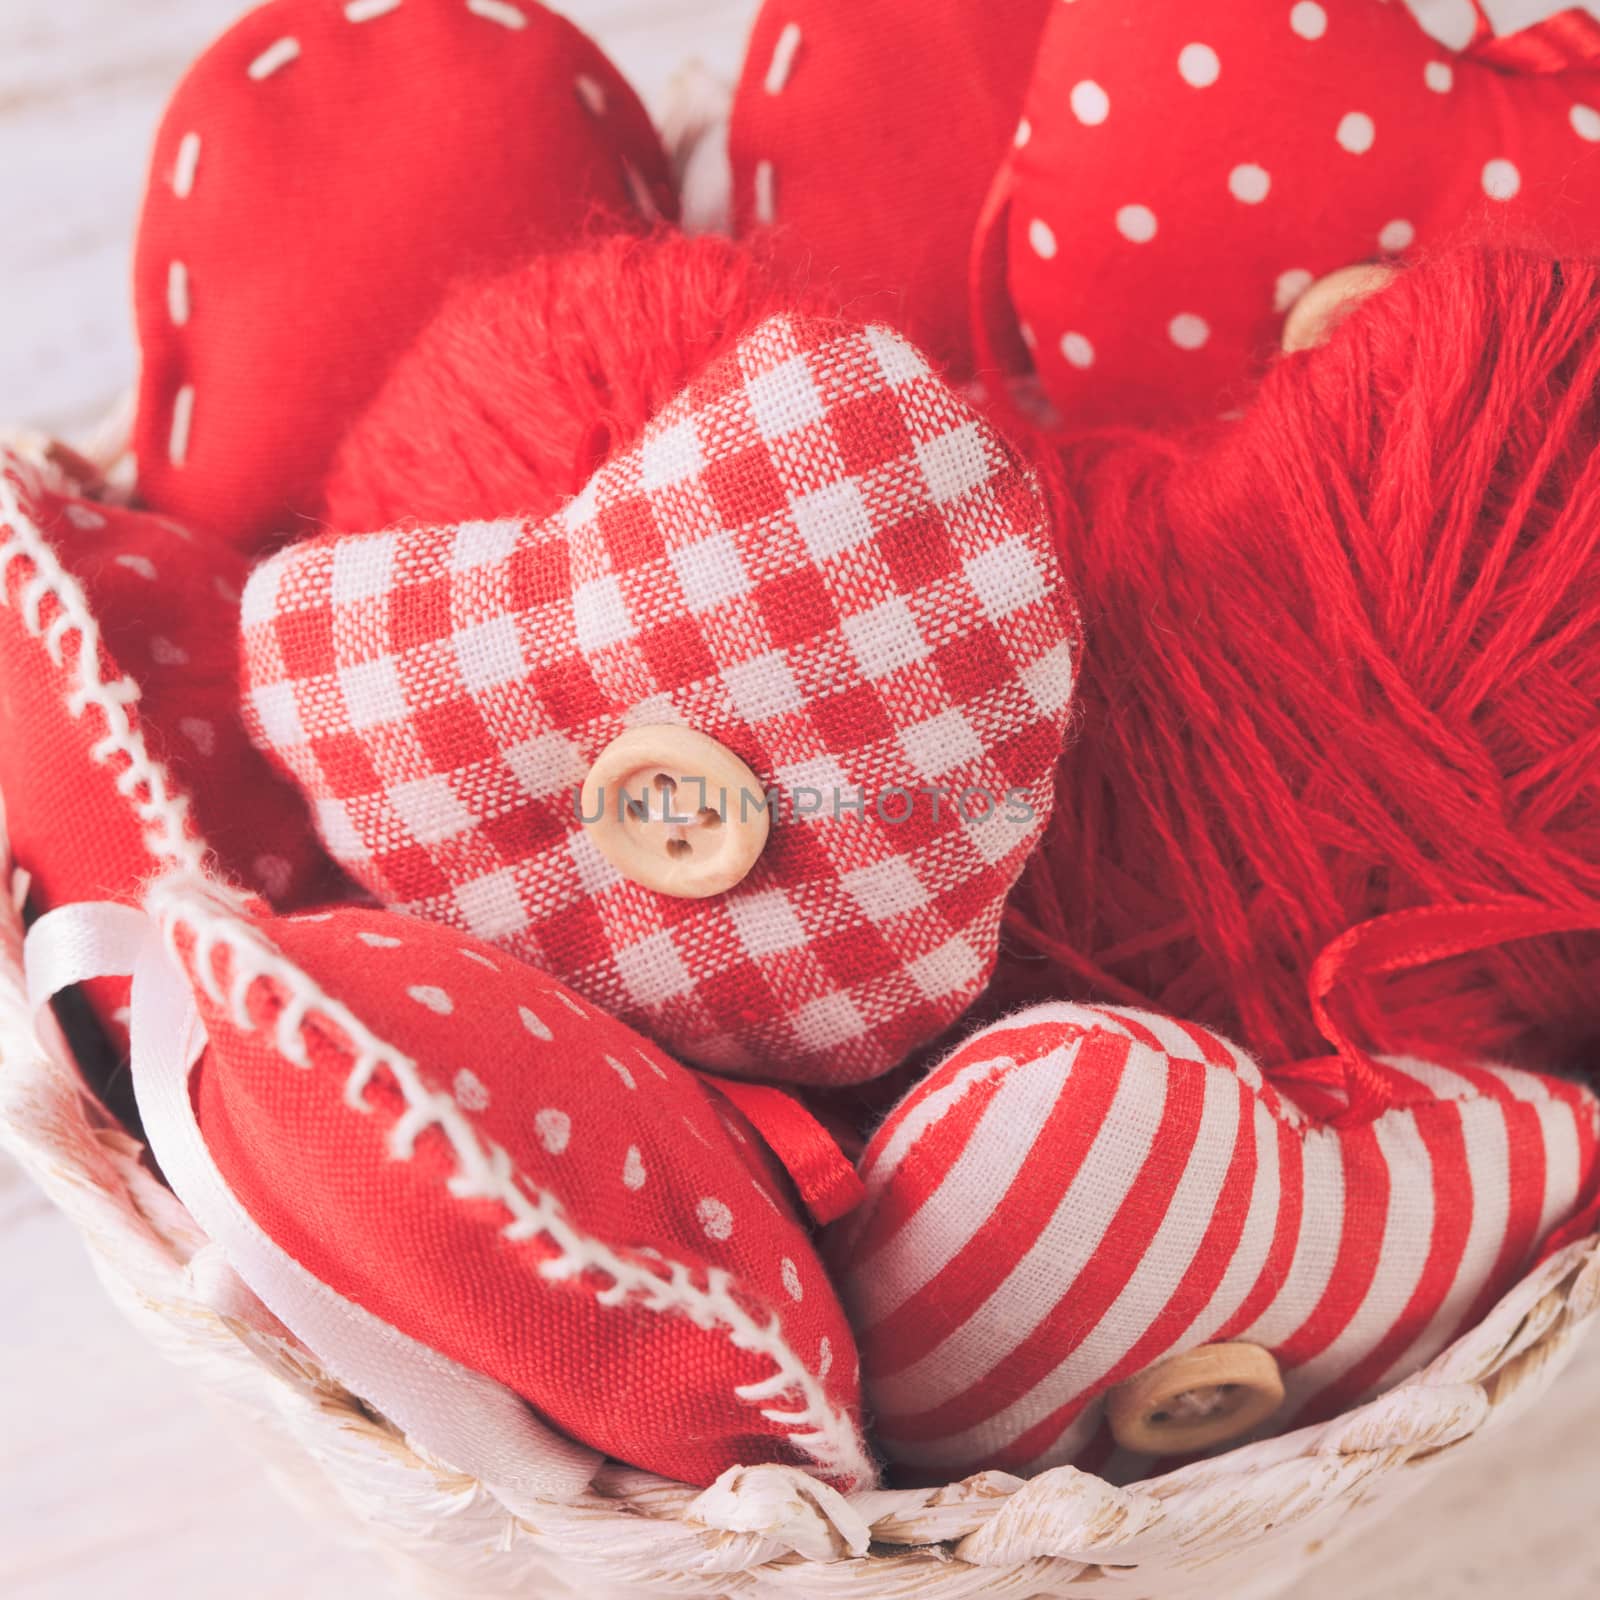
(122, 752)
(461, 1148)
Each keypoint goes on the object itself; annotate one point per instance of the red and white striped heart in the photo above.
(1078, 1192)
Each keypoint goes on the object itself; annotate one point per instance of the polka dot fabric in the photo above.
(161, 604)
(1191, 169)
(1078, 1192)
(819, 557)
(320, 177)
(463, 1148)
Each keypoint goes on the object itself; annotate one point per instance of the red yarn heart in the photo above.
(525, 382)
(320, 177)
(1344, 663)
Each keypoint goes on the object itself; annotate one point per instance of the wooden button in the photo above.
(674, 811)
(1315, 314)
(1196, 1401)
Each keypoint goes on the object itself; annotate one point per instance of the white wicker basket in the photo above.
(1245, 1525)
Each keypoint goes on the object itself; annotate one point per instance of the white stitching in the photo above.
(182, 425)
(783, 54)
(145, 782)
(369, 10)
(484, 1171)
(178, 293)
(508, 16)
(186, 165)
(591, 93)
(779, 71)
(274, 58)
(766, 198)
(184, 170)
(639, 192)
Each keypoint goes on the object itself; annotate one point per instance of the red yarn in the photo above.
(525, 382)
(1343, 659)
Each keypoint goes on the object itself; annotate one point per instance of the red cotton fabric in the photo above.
(320, 177)
(1190, 170)
(819, 557)
(866, 136)
(1078, 1192)
(463, 1148)
(110, 607)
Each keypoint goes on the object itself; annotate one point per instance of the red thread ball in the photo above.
(525, 382)
(1343, 659)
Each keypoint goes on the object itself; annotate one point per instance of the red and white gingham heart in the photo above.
(819, 556)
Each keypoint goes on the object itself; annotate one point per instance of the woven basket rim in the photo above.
(92, 1170)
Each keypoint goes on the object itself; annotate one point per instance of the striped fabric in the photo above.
(1078, 1192)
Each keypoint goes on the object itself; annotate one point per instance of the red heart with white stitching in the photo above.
(817, 556)
(320, 177)
(1180, 183)
(869, 142)
(455, 1144)
(122, 752)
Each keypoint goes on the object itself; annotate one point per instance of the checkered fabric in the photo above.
(819, 556)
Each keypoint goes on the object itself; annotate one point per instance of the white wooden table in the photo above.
(114, 1480)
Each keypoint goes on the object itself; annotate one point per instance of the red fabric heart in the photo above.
(320, 177)
(470, 1153)
(819, 557)
(1189, 171)
(869, 139)
(122, 752)
(1078, 1192)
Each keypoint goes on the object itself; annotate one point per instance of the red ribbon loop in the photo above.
(1404, 940)
(1568, 40)
(828, 1185)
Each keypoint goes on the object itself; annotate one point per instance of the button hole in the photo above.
(709, 817)
(678, 847)
(665, 784)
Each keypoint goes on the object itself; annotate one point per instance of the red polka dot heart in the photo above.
(1181, 184)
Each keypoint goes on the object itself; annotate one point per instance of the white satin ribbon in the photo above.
(469, 1421)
